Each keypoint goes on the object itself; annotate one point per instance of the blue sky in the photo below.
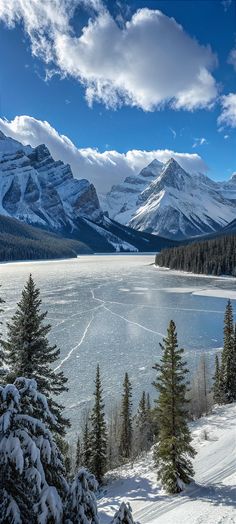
(35, 83)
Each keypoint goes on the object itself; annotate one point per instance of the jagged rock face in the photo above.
(38, 190)
(123, 199)
(179, 205)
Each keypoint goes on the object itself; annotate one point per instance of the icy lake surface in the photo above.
(114, 310)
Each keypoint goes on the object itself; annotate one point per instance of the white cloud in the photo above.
(232, 58)
(228, 115)
(199, 142)
(103, 169)
(147, 62)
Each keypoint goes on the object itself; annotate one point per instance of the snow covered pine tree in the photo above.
(32, 482)
(27, 352)
(81, 507)
(123, 515)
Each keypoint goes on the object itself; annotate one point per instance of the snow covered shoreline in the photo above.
(210, 499)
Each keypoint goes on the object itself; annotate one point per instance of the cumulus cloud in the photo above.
(147, 62)
(102, 168)
(228, 114)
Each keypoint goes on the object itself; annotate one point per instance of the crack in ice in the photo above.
(77, 345)
(134, 323)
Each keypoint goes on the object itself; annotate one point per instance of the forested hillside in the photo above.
(210, 257)
(20, 241)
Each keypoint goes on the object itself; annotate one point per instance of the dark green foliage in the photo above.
(126, 420)
(86, 448)
(98, 433)
(78, 454)
(27, 351)
(211, 257)
(19, 241)
(228, 359)
(144, 424)
(173, 451)
(218, 394)
(1, 354)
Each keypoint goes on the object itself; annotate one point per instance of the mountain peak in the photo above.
(2, 136)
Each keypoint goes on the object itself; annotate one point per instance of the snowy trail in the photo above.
(211, 499)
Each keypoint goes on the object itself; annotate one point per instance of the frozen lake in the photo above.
(114, 310)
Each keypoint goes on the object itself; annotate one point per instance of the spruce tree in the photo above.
(173, 451)
(32, 476)
(228, 359)
(1, 353)
(218, 394)
(123, 515)
(86, 447)
(27, 351)
(98, 433)
(78, 454)
(126, 420)
(81, 506)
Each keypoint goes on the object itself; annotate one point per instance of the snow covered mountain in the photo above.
(171, 202)
(122, 199)
(37, 190)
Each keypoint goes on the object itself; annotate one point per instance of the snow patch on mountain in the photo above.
(38, 190)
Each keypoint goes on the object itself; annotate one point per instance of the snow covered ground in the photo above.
(210, 499)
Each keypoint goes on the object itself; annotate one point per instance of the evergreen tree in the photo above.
(1, 353)
(81, 506)
(218, 394)
(86, 448)
(144, 430)
(123, 515)
(228, 359)
(78, 454)
(126, 420)
(98, 433)
(173, 451)
(32, 483)
(27, 352)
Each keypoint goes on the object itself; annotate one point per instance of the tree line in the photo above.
(210, 257)
(37, 481)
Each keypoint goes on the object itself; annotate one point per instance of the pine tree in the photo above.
(86, 447)
(78, 454)
(126, 420)
(123, 515)
(32, 483)
(98, 433)
(81, 506)
(173, 451)
(1, 353)
(27, 352)
(228, 359)
(218, 394)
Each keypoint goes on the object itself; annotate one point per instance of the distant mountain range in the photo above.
(154, 209)
(166, 200)
(41, 192)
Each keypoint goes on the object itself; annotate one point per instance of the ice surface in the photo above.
(114, 310)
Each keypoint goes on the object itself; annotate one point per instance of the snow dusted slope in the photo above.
(179, 205)
(37, 190)
(210, 499)
(122, 200)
